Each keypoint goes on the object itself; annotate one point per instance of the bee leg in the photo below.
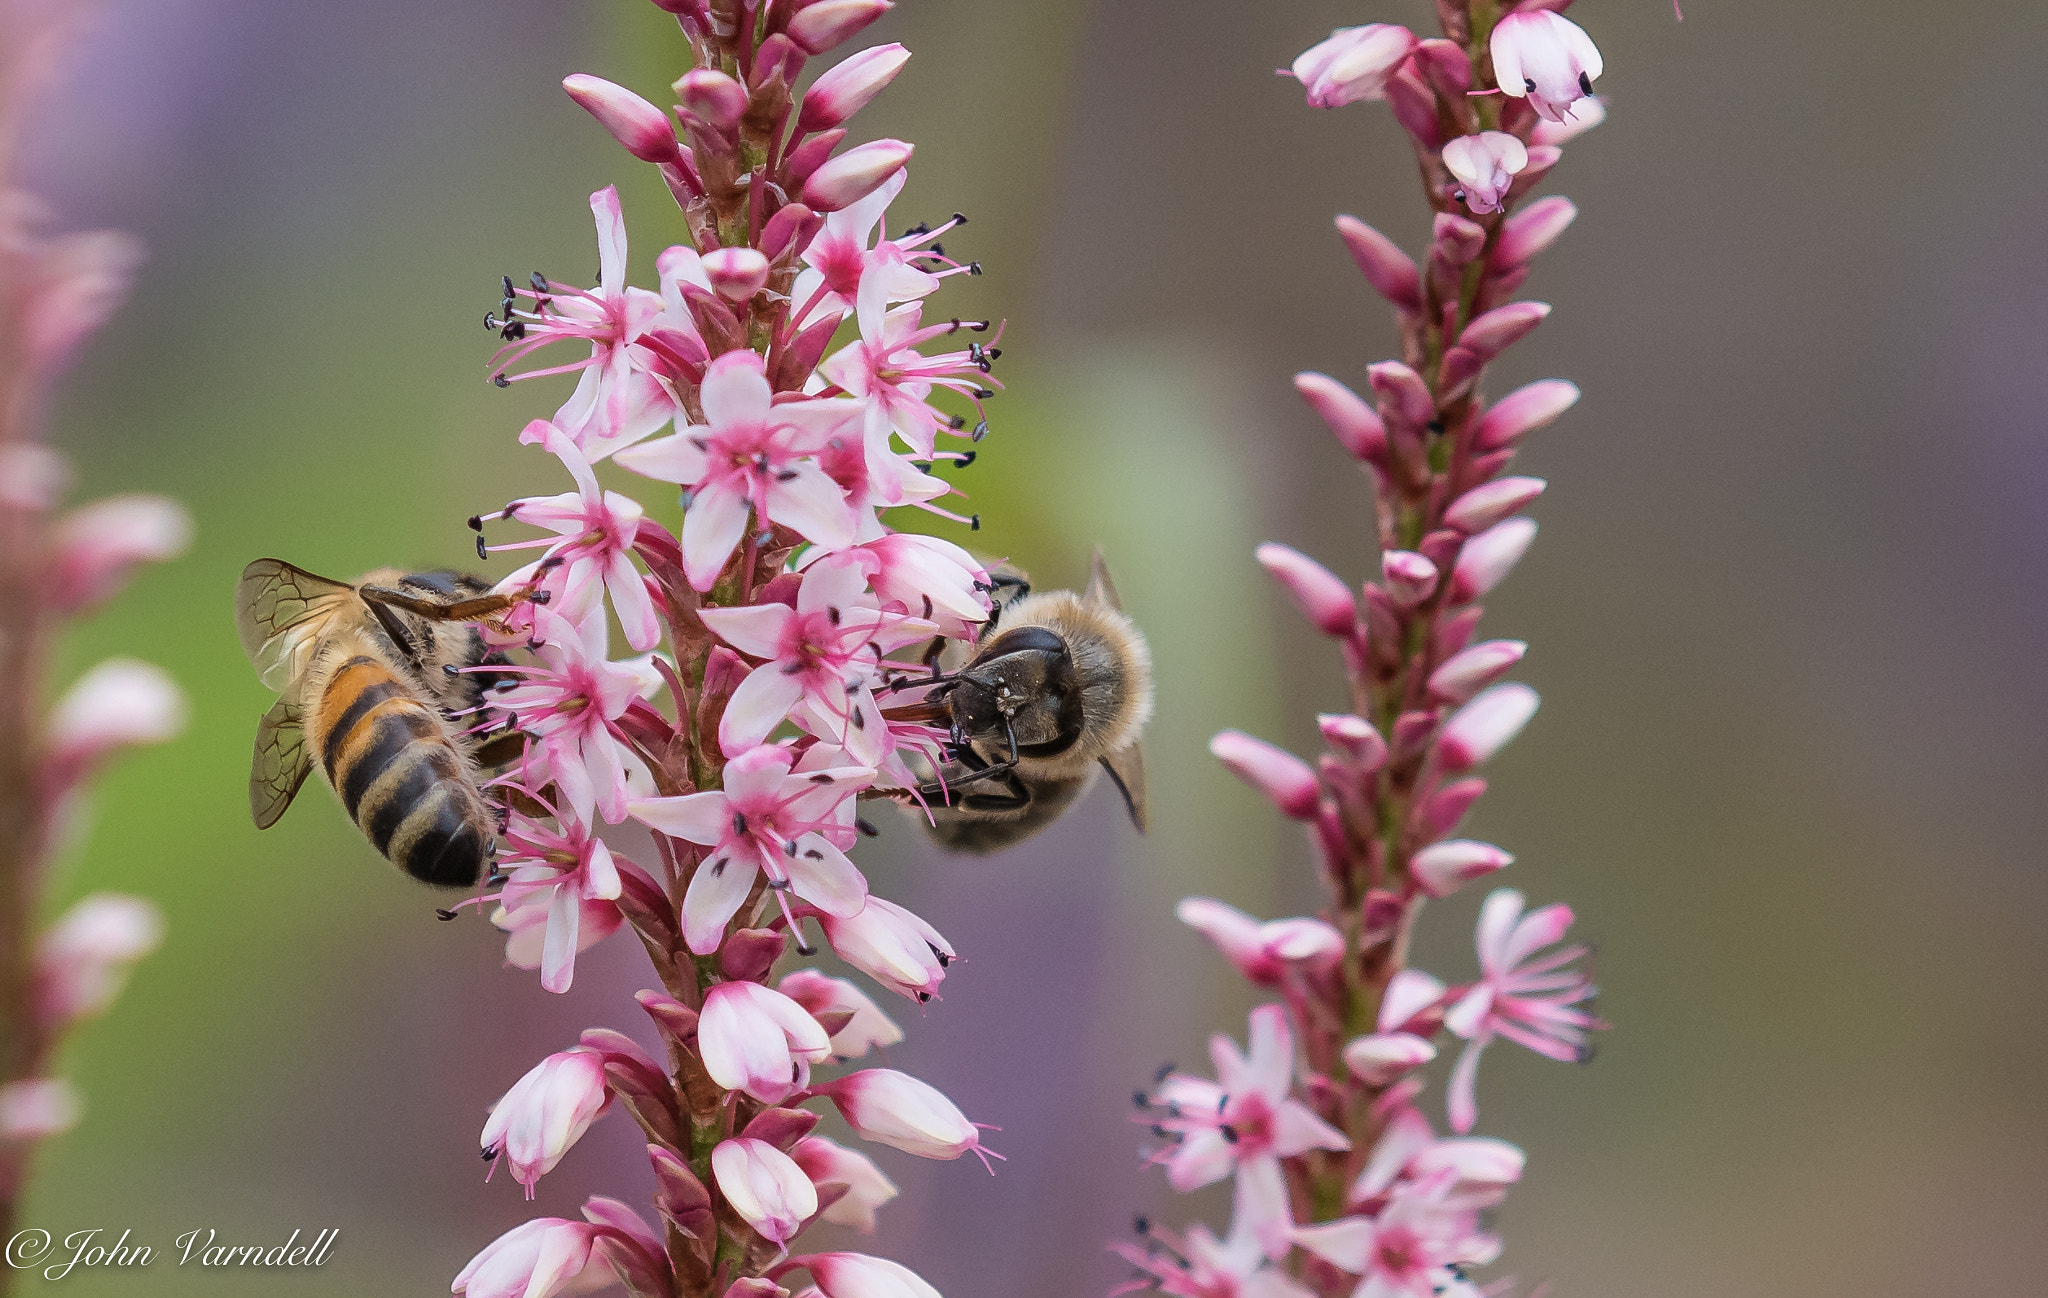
(978, 770)
(931, 655)
(395, 629)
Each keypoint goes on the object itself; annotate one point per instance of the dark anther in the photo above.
(813, 854)
(974, 523)
(802, 947)
(927, 608)
(860, 722)
(821, 778)
(787, 475)
(915, 230)
(1229, 1133)
(788, 850)
(451, 670)
(476, 522)
(984, 393)
(868, 830)
(958, 422)
(980, 431)
(481, 552)
(490, 1152)
(924, 998)
(500, 381)
(539, 282)
(443, 914)
(1585, 84)
(938, 250)
(995, 353)
(541, 596)
(1436, 426)
(1165, 1071)
(490, 321)
(1161, 1132)
(739, 822)
(507, 281)
(959, 219)
(1141, 1100)
(965, 459)
(974, 268)
(546, 565)
(945, 959)
(832, 614)
(1529, 84)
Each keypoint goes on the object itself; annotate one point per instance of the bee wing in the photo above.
(277, 611)
(280, 765)
(1127, 771)
(1101, 590)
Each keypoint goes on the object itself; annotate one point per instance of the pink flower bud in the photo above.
(1381, 1059)
(96, 547)
(1404, 393)
(642, 128)
(546, 1112)
(1443, 868)
(1523, 411)
(1469, 671)
(1445, 67)
(83, 959)
(536, 1259)
(1353, 64)
(1483, 727)
(861, 1187)
(755, 1039)
(37, 1109)
(1389, 270)
(1440, 813)
(891, 946)
(1489, 503)
(1287, 781)
(1356, 425)
(807, 157)
(1262, 952)
(1456, 239)
(1410, 1003)
(1489, 557)
(856, 1275)
(1498, 329)
(1471, 1160)
(847, 88)
(1484, 165)
(865, 1023)
(818, 27)
(1354, 737)
(713, 98)
(736, 273)
(1547, 58)
(897, 1110)
(1320, 594)
(1586, 114)
(118, 704)
(1533, 229)
(854, 174)
(765, 1187)
(1410, 578)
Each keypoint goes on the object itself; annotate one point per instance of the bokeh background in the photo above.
(1786, 613)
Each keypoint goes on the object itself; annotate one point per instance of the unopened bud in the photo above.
(847, 88)
(818, 27)
(854, 174)
(642, 128)
(1287, 781)
(1484, 726)
(1320, 594)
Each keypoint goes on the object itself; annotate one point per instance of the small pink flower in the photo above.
(823, 653)
(545, 1113)
(1198, 1265)
(897, 1110)
(1484, 726)
(856, 1275)
(765, 820)
(597, 529)
(850, 1185)
(765, 1187)
(569, 704)
(1546, 57)
(561, 889)
(926, 577)
(1353, 64)
(119, 704)
(1485, 165)
(1407, 1251)
(865, 1027)
(97, 546)
(885, 369)
(1531, 1000)
(1288, 781)
(83, 959)
(617, 400)
(1264, 953)
(846, 251)
(1586, 114)
(755, 1039)
(891, 946)
(751, 454)
(1244, 1122)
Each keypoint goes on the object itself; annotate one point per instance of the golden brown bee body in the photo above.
(1058, 688)
(369, 682)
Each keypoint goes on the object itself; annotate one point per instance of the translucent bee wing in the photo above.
(1127, 771)
(1101, 590)
(280, 765)
(278, 611)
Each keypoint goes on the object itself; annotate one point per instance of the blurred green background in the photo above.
(1786, 614)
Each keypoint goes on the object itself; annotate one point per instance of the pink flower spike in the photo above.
(38, 1108)
(1547, 58)
(1489, 557)
(545, 1113)
(854, 174)
(866, 1025)
(755, 1039)
(1469, 671)
(1490, 502)
(1263, 953)
(856, 1275)
(638, 125)
(1532, 230)
(97, 546)
(1410, 577)
(1353, 64)
(1443, 868)
(765, 1187)
(1283, 778)
(1320, 594)
(736, 274)
(897, 1110)
(846, 89)
(713, 98)
(1356, 425)
(83, 959)
(1389, 270)
(1384, 1057)
(1484, 726)
(1523, 411)
(1586, 114)
(1485, 165)
(891, 946)
(119, 704)
(1531, 1000)
(830, 1166)
(820, 26)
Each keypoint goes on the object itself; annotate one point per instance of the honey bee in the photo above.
(1057, 687)
(370, 683)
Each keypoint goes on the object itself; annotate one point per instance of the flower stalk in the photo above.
(1342, 1184)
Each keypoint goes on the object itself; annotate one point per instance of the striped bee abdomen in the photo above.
(399, 777)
